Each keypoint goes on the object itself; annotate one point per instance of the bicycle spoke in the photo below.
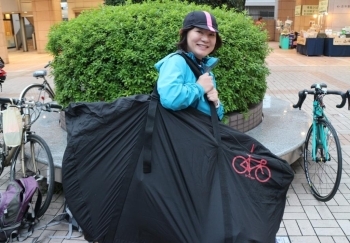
(40, 95)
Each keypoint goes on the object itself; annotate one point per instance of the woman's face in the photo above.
(201, 42)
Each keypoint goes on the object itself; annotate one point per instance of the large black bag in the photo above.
(136, 172)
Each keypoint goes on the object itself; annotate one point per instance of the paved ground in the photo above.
(305, 218)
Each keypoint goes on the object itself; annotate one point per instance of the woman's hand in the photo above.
(206, 81)
(213, 96)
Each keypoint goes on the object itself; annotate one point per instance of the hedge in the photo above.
(110, 52)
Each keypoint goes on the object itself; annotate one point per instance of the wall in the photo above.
(302, 22)
(260, 3)
(270, 26)
(75, 7)
(9, 6)
(338, 15)
(286, 9)
(46, 13)
(3, 44)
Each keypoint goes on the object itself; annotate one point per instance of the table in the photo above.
(335, 50)
(312, 47)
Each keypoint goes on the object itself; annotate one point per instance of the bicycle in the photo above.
(39, 92)
(322, 151)
(33, 156)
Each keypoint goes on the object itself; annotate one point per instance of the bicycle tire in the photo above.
(323, 177)
(37, 93)
(40, 95)
(45, 170)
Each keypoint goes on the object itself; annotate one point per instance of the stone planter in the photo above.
(255, 116)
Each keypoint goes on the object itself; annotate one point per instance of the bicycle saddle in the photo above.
(40, 73)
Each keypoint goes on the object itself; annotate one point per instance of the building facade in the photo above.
(26, 23)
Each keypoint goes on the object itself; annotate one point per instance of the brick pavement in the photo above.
(305, 220)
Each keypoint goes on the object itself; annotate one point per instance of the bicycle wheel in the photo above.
(323, 176)
(44, 172)
(40, 95)
(37, 93)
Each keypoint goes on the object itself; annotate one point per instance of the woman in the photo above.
(178, 87)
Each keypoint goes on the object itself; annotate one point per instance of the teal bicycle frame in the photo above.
(320, 138)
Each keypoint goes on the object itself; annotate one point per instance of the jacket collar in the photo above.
(207, 61)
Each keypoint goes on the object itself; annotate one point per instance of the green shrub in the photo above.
(238, 5)
(110, 52)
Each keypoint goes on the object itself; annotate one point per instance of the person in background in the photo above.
(294, 44)
(259, 21)
(177, 85)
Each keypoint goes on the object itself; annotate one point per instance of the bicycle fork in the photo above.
(320, 142)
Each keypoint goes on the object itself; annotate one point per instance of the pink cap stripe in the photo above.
(209, 22)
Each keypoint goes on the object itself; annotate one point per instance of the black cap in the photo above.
(201, 19)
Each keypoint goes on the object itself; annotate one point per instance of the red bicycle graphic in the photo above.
(244, 165)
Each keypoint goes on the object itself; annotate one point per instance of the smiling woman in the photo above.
(177, 86)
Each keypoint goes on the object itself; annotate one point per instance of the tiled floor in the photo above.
(305, 220)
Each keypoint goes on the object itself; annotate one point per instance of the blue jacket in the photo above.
(177, 85)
